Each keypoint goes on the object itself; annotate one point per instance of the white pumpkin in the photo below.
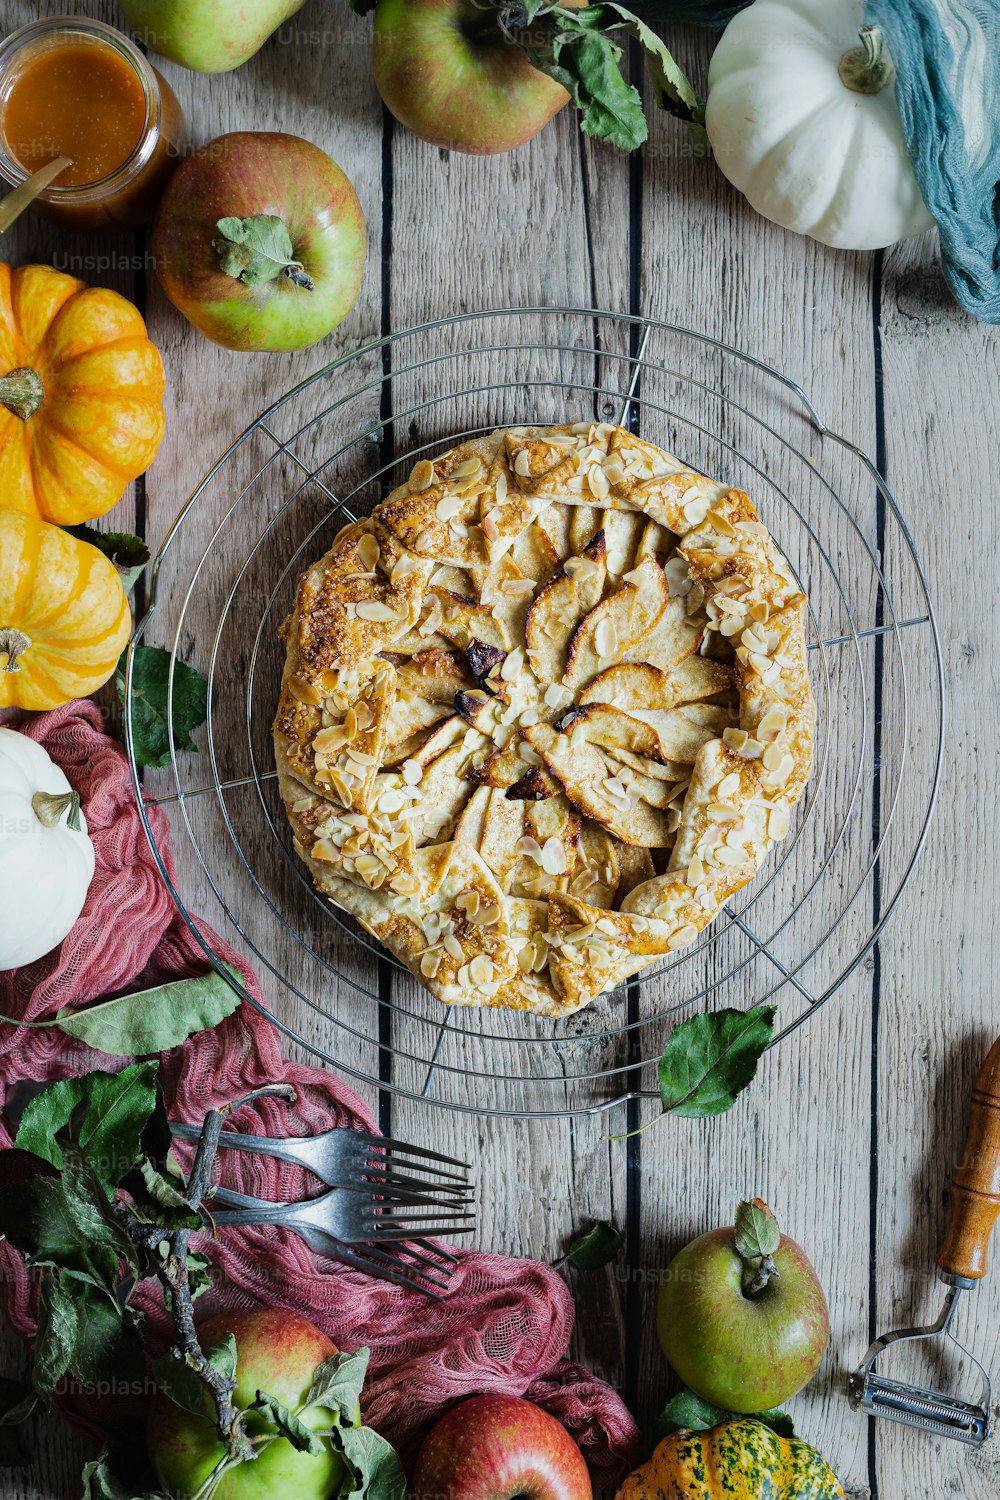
(802, 118)
(46, 857)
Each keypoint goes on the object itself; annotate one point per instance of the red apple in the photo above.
(498, 1447)
(276, 1352)
(448, 73)
(266, 179)
(743, 1350)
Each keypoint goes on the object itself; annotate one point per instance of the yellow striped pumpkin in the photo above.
(81, 395)
(64, 617)
(738, 1460)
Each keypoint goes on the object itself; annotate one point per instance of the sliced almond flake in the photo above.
(468, 901)
(529, 847)
(734, 738)
(513, 665)
(374, 609)
(772, 725)
(369, 551)
(421, 476)
(324, 850)
(695, 872)
(462, 978)
(683, 937)
(597, 481)
(303, 691)
(448, 507)
(481, 969)
(360, 758)
(413, 772)
(721, 523)
(605, 639)
(728, 786)
(724, 855)
(392, 801)
(778, 821)
(518, 588)
(522, 463)
(486, 916)
(491, 530)
(453, 947)
(402, 568)
(328, 740)
(553, 857)
(430, 963)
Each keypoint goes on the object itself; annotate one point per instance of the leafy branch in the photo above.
(90, 1196)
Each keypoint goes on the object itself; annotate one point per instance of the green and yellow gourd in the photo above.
(738, 1460)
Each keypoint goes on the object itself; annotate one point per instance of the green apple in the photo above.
(276, 1352)
(742, 1337)
(210, 36)
(447, 72)
(283, 190)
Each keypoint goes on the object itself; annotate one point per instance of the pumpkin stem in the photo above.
(21, 391)
(757, 1238)
(866, 69)
(13, 645)
(49, 807)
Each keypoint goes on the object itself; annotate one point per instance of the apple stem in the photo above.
(757, 1274)
(757, 1237)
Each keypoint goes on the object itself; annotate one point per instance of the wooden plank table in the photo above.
(860, 1114)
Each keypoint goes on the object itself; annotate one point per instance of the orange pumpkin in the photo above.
(81, 395)
(64, 617)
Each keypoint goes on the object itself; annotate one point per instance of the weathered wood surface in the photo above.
(860, 1113)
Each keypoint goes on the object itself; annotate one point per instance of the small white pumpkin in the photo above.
(46, 857)
(802, 118)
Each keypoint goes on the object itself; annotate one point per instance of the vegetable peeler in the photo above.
(962, 1262)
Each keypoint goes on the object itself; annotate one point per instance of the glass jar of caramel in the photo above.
(74, 87)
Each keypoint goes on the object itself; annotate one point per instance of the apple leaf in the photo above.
(129, 553)
(104, 1113)
(757, 1232)
(373, 1465)
(301, 1437)
(259, 249)
(150, 682)
(184, 1386)
(100, 1483)
(671, 88)
(337, 1383)
(155, 1019)
(687, 1412)
(597, 1248)
(711, 1058)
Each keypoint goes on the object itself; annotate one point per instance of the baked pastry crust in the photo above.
(544, 713)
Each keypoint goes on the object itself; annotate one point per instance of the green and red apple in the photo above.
(447, 72)
(277, 1351)
(743, 1331)
(499, 1448)
(260, 241)
(210, 36)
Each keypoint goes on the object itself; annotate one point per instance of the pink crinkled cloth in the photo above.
(506, 1323)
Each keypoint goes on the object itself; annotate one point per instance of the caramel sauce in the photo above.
(80, 99)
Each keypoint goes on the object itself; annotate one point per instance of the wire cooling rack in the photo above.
(224, 580)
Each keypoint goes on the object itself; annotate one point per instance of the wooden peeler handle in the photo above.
(975, 1183)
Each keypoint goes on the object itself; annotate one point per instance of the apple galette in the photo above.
(543, 713)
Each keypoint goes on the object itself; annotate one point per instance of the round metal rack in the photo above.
(224, 580)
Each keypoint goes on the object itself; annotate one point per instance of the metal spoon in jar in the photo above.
(14, 204)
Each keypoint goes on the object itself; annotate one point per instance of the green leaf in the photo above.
(157, 1201)
(103, 1113)
(150, 679)
(100, 1483)
(67, 1222)
(373, 1466)
(337, 1383)
(301, 1437)
(687, 1412)
(55, 1340)
(17, 1402)
(129, 553)
(259, 249)
(109, 1351)
(597, 1248)
(671, 88)
(757, 1232)
(184, 1386)
(586, 61)
(153, 1020)
(691, 1413)
(711, 1058)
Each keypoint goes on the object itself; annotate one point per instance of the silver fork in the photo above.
(353, 1159)
(353, 1218)
(427, 1267)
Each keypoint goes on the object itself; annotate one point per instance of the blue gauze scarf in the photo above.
(947, 59)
